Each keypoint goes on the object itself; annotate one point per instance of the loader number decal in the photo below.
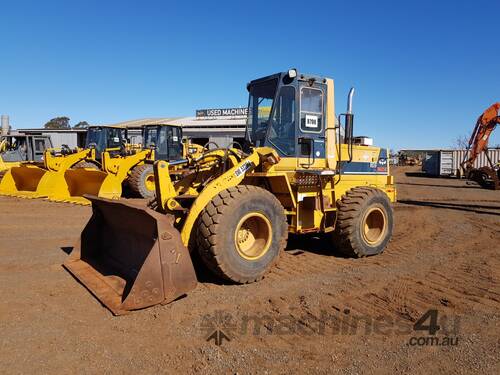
(311, 121)
(243, 168)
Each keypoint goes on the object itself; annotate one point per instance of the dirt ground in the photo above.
(317, 312)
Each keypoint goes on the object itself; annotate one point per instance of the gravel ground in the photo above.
(316, 312)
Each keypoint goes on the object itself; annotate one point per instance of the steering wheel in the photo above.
(123, 148)
(65, 150)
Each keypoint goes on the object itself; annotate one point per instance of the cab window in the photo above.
(39, 145)
(150, 136)
(162, 146)
(282, 131)
(260, 105)
(311, 110)
(174, 143)
(114, 138)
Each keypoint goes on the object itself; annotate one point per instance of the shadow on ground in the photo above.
(471, 186)
(480, 209)
(67, 249)
(297, 245)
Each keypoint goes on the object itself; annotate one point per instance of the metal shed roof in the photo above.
(188, 122)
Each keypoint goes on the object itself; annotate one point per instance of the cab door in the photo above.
(174, 137)
(281, 132)
(38, 147)
(311, 129)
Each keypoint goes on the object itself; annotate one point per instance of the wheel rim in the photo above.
(150, 182)
(253, 236)
(374, 226)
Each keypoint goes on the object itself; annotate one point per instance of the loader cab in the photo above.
(287, 112)
(166, 141)
(105, 137)
(20, 148)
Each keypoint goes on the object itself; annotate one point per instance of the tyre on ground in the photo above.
(364, 222)
(86, 165)
(241, 233)
(142, 181)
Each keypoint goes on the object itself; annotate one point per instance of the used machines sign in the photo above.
(216, 112)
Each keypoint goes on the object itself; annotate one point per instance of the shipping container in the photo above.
(448, 162)
(481, 161)
(430, 164)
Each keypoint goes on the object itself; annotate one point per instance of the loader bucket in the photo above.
(82, 181)
(28, 181)
(131, 257)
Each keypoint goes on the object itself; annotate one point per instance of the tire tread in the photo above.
(208, 230)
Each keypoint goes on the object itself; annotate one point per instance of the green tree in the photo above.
(81, 124)
(57, 123)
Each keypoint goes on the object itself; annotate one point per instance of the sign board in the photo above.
(311, 121)
(221, 112)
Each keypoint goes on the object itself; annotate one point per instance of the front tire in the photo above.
(142, 181)
(364, 222)
(241, 233)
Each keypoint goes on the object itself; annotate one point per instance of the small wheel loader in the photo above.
(168, 144)
(299, 172)
(49, 178)
(16, 148)
(133, 166)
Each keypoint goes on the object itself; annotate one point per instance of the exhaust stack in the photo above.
(349, 117)
(349, 101)
(5, 125)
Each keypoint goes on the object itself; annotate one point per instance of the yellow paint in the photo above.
(331, 146)
(225, 181)
(253, 235)
(308, 208)
(35, 181)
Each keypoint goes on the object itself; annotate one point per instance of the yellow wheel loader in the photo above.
(300, 172)
(49, 178)
(17, 148)
(133, 166)
(167, 142)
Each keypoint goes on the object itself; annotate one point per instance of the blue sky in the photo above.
(423, 70)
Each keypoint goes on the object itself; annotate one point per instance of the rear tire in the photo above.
(241, 233)
(87, 165)
(364, 222)
(142, 180)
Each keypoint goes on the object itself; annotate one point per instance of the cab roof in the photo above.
(299, 76)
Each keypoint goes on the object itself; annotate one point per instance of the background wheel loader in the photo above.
(133, 166)
(49, 178)
(167, 142)
(18, 148)
(299, 173)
